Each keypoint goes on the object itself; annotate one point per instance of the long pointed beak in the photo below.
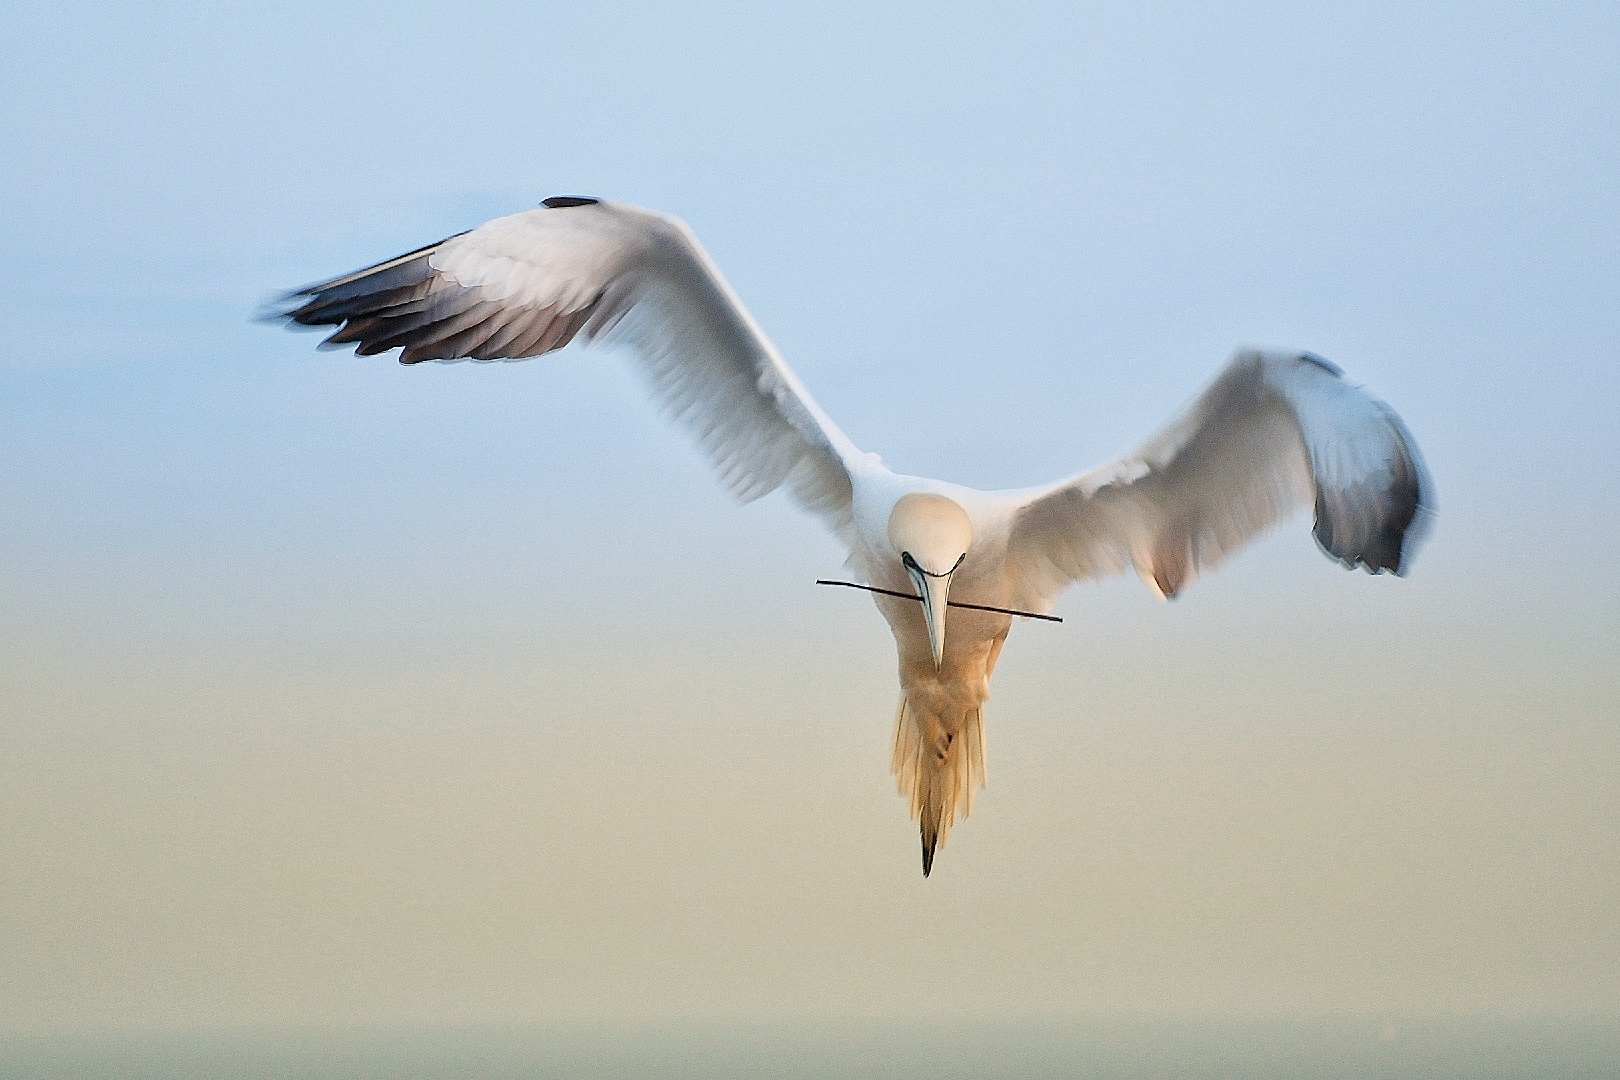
(934, 592)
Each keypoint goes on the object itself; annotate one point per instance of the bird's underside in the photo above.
(1275, 432)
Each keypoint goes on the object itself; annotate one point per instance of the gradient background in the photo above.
(335, 695)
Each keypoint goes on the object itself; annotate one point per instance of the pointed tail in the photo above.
(938, 769)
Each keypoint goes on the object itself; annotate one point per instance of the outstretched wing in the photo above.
(524, 285)
(1275, 432)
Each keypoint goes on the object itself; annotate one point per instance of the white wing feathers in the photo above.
(1275, 432)
(524, 285)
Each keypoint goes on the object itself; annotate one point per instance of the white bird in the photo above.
(1275, 432)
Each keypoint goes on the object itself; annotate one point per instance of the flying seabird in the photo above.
(1275, 432)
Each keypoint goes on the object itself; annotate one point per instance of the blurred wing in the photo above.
(1274, 433)
(524, 285)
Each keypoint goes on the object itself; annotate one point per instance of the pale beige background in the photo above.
(339, 695)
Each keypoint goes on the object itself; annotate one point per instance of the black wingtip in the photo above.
(280, 311)
(557, 202)
(928, 843)
(1408, 514)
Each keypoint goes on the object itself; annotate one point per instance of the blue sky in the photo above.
(999, 248)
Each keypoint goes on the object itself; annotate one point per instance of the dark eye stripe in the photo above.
(907, 561)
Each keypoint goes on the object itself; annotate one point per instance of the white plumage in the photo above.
(1274, 433)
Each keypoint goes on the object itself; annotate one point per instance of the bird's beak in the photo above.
(934, 591)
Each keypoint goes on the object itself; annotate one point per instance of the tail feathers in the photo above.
(938, 770)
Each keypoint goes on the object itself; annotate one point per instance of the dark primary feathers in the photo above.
(1273, 433)
(528, 284)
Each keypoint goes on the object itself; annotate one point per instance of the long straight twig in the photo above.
(948, 603)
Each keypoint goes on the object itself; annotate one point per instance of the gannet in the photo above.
(1276, 431)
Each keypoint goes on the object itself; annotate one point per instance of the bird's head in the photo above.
(930, 536)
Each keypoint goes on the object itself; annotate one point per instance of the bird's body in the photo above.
(1275, 432)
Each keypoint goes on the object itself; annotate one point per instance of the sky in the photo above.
(339, 694)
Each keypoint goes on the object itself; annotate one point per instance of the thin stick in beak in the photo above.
(948, 603)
